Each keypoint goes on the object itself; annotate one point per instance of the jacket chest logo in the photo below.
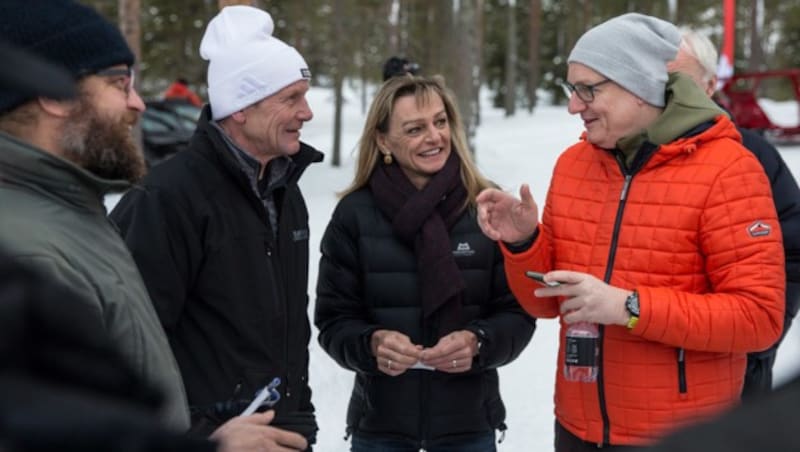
(463, 250)
(299, 235)
(759, 229)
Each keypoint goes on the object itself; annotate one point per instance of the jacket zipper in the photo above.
(428, 326)
(682, 371)
(612, 252)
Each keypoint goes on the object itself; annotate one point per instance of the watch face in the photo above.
(632, 304)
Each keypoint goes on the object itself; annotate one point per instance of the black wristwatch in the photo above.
(482, 337)
(632, 306)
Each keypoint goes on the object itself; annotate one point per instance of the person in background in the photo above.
(697, 58)
(660, 230)
(397, 66)
(58, 158)
(220, 231)
(179, 90)
(411, 295)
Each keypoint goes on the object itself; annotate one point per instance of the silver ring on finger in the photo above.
(455, 363)
(389, 364)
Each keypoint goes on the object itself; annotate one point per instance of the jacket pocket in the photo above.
(495, 409)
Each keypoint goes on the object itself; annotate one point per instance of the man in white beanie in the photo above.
(660, 229)
(220, 232)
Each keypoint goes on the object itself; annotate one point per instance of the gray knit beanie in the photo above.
(633, 51)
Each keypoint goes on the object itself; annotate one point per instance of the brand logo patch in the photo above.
(759, 229)
(248, 85)
(300, 234)
(463, 250)
(305, 72)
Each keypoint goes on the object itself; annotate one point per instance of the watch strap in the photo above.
(632, 306)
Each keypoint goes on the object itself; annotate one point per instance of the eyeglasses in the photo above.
(585, 92)
(126, 81)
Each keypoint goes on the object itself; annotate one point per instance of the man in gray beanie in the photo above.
(220, 231)
(660, 228)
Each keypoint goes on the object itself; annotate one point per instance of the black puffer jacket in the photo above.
(786, 195)
(368, 281)
(232, 298)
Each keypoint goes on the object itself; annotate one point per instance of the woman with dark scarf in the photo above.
(411, 295)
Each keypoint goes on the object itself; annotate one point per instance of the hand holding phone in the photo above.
(539, 277)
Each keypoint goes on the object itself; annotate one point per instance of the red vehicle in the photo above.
(745, 95)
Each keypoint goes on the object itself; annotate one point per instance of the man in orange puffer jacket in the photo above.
(661, 230)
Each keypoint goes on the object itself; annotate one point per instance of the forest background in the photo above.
(514, 48)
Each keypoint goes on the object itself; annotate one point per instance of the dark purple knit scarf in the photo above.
(422, 219)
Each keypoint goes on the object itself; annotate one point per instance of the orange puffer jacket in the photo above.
(695, 232)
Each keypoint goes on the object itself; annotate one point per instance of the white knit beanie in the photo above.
(246, 63)
(633, 51)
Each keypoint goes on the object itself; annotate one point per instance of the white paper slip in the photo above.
(419, 365)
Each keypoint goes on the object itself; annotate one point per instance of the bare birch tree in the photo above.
(510, 95)
(130, 25)
(534, 40)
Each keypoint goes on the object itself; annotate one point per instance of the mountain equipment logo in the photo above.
(463, 250)
(300, 235)
(759, 229)
(249, 85)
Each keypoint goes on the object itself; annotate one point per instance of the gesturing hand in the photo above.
(394, 351)
(501, 216)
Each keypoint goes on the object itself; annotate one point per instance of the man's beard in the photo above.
(102, 145)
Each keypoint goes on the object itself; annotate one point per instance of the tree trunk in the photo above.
(510, 95)
(480, 70)
(339, 12)
(756, 62)
(586, 18)
(463, 74)
(534, 37)
(395, 27)
(224, 3)
(130, 26)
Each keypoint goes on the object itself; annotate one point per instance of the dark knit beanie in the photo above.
(63, 32)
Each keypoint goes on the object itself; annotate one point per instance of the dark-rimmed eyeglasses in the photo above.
(127, 77)
(585, 92)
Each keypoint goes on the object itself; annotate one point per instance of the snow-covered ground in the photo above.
(511, 151)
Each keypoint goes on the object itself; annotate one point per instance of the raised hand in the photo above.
(501, 216)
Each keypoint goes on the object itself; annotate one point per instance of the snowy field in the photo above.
(511, 151)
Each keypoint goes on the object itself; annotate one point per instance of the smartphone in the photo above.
(540, 278)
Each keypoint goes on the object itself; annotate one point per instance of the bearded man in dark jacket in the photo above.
(220, 232)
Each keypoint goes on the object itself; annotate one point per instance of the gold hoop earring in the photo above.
(387, 159)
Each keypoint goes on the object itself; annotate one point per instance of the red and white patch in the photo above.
(759, 229)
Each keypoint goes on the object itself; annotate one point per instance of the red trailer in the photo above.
(741, 93)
